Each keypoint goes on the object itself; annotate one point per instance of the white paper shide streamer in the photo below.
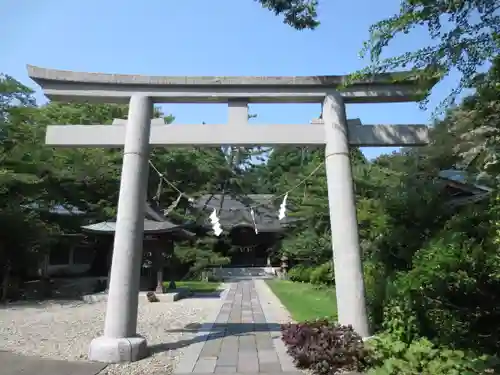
(282, 212)
(252, 214)
(214, 220)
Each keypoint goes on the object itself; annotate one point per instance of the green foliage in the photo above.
(389, 356)
(322, 274)
(375, 289)
(464, 37)
(308, 246)
(24, 235)
(300, 273)
(300, 14)
(199, 255)
(464, 34)
(34, 178)
(452, 287)
(431, 268)
(476, 124)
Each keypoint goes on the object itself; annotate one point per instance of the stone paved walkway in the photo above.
(244, 338)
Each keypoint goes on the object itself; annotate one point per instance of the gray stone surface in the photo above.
(118, 88)
(348, 269)
(240, 341)
(179, 135)
(118, 350)
(38, 73)
(16, 364)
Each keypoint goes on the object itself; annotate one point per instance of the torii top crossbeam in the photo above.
(237, 92)
(118, 88)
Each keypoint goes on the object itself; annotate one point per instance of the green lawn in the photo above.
(305, 301)
(197, 286)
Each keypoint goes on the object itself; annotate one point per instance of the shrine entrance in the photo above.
(249, 249)
(249, 241)
(137, 135)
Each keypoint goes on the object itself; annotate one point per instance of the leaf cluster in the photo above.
(324, 347)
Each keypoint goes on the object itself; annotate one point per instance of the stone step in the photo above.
(238, 272)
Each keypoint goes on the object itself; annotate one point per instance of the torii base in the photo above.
(118, 350)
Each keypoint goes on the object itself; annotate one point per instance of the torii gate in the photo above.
(120, 341)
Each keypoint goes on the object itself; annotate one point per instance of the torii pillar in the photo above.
(120, 341)
(349, 283)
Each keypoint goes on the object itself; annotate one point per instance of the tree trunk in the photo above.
(158, 267)
(46, 288)
(5, 283)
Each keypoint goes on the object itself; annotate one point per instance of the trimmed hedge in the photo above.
(319, 275)
(300, 273)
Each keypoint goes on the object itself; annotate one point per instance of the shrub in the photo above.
(375, 288)
(389, 356)
(300, 273)
(322, 275)
(451, 291)
(324, 347)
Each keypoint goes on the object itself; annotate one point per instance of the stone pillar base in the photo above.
(116, 350)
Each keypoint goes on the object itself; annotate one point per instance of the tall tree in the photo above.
(24, 233)
(465, 35)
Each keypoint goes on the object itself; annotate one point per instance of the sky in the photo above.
(205, 37)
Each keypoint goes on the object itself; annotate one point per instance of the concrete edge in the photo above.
(275, 312)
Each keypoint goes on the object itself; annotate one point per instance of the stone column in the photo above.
(120, 342)
(349, 281)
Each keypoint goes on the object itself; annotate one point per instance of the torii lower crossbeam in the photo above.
(246, 135)
(120, 341)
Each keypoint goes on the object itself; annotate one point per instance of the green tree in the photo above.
(465, 35)
(300, 14)
(23, 234)
(476, 124)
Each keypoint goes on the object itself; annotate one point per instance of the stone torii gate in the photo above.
(120, 341)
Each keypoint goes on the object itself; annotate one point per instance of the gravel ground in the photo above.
(63, 330)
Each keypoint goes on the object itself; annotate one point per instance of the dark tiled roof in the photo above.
(154, 222)
(461, 189)
(463, 179)
(234, 211)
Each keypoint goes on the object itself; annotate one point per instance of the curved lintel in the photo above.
(102, 87)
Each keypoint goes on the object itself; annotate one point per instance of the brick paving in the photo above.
(242, 340)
